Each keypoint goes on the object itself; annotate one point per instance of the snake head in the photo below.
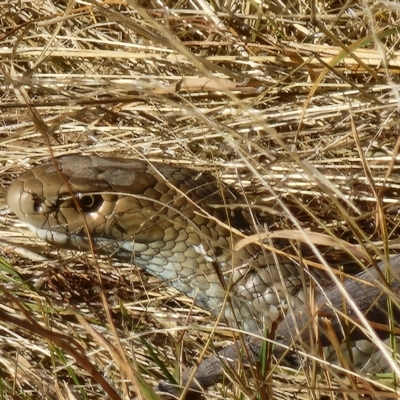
(64, 200)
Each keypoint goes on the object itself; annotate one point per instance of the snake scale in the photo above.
(182, 226)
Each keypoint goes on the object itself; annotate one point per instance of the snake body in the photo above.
(178, 224)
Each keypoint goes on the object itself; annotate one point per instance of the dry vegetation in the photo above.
(295, 102)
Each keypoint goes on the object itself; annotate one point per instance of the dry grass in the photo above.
(297, 105)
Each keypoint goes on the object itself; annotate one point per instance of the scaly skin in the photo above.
(177, 224)
(329, 315)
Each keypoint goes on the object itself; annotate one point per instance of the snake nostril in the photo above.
(90, 203)
(38, 205)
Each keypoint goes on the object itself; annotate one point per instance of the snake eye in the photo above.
(90, 203)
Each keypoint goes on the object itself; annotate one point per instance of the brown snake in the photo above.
(179, 225)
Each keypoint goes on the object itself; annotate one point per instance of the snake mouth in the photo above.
(56, 238)
(124, 249)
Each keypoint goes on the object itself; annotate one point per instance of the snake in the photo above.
(178, 224)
